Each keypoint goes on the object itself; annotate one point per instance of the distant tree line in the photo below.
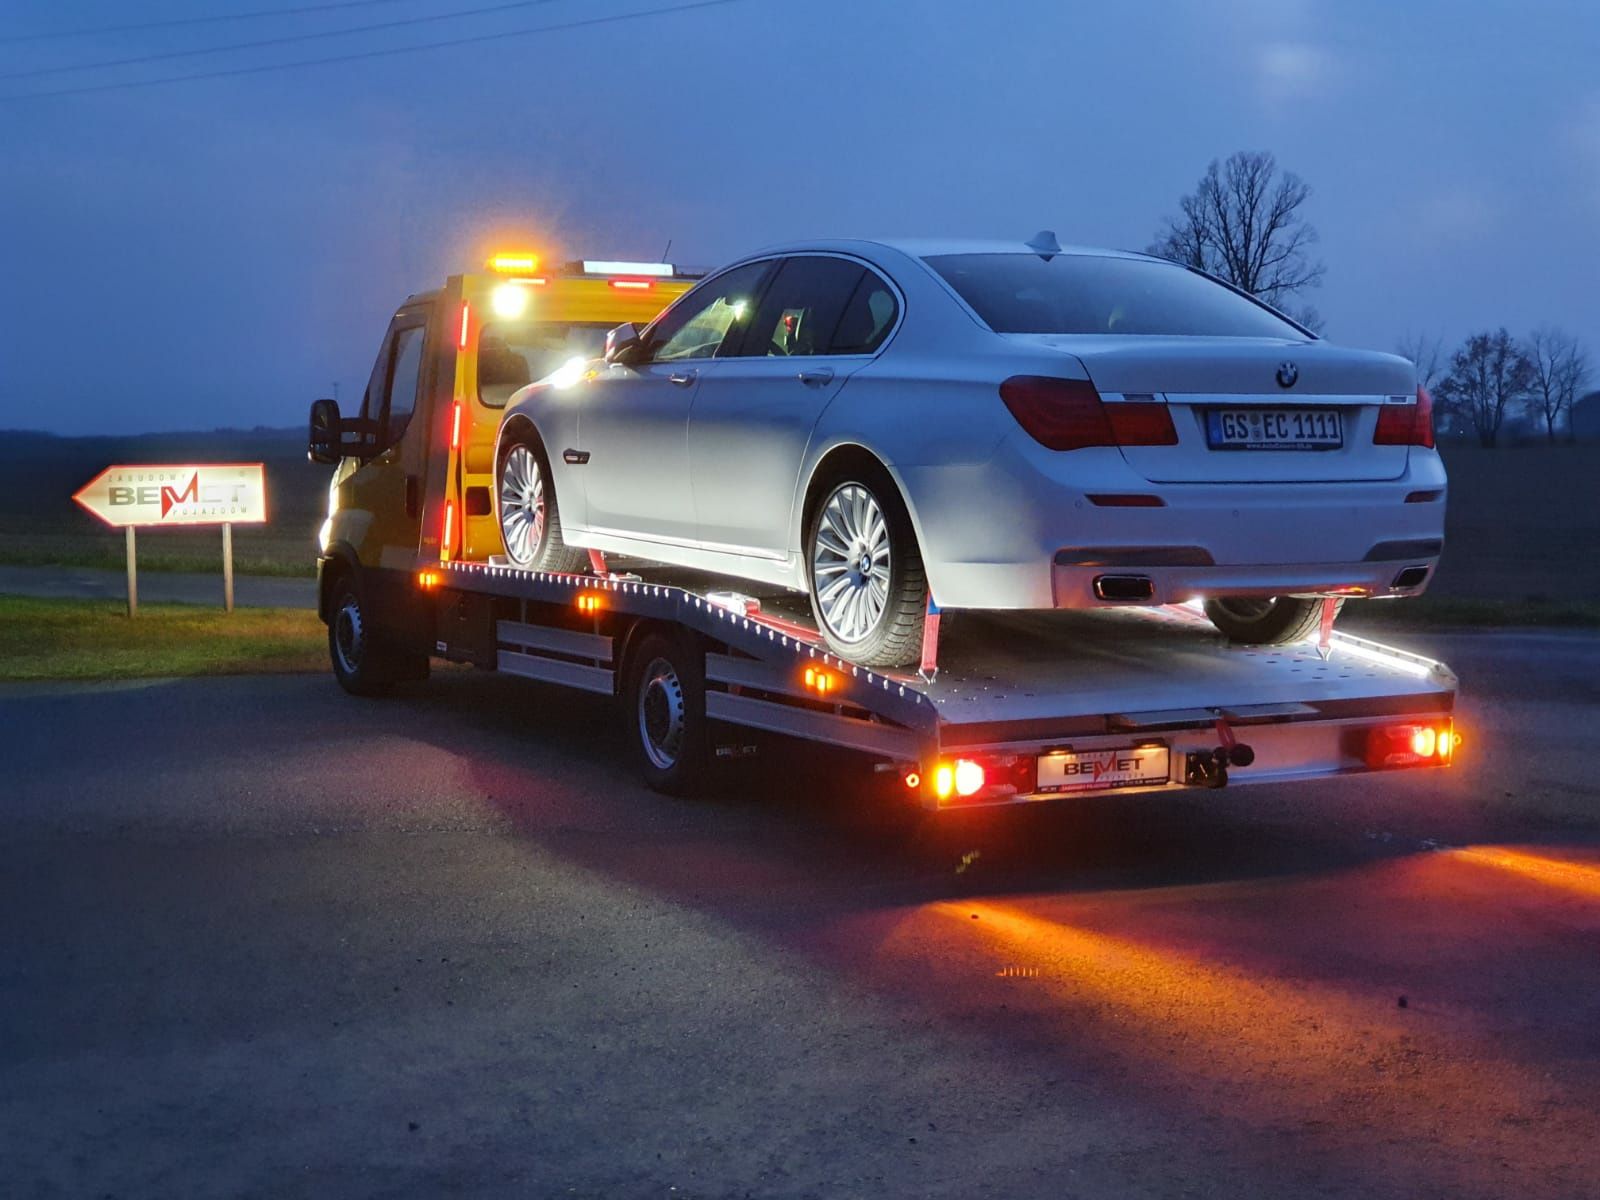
(1492, 375)
(1243, 223)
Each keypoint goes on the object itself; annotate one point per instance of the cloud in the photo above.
(1295, 71)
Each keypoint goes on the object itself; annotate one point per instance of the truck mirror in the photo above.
(324, 444)
(623, 343)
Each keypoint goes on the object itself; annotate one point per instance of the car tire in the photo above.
(869, 591)
(1267, 620)
(664, 712)
(527, 511)
(365, 662)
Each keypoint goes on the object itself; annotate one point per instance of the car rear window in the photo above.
(1091, 293)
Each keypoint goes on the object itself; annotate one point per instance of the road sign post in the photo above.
(155, 496)
(227, 566)
(133, 572)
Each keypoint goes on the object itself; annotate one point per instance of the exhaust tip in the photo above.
(1124, 589)
(1411, 577)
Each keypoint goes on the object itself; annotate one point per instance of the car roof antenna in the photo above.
(1044, 244)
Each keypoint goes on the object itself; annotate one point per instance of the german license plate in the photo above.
(1103, 770)
(1274, 429)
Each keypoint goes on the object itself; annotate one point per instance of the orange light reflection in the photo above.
(1575, 877)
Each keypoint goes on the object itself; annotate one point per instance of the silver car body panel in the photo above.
(713, 474)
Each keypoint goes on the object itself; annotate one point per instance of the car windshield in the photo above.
(1097, 294)
(512, 354)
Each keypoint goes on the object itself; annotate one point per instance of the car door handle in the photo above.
(683, 378)
(815, 378)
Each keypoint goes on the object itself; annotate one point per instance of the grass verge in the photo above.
(94, 639)
(113, 559)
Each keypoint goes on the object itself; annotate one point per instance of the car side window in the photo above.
(699, 324)
(802, 308)
(868, 317)
(405, 374)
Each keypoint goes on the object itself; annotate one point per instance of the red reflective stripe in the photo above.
(466, 313)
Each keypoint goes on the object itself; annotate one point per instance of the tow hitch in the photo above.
(1209, 768)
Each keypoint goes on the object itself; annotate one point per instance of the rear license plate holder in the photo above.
(1066, 771)
(1275, 429)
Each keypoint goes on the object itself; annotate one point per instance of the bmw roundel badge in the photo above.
(1287, 374)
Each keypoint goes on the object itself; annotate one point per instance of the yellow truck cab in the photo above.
(414, 477)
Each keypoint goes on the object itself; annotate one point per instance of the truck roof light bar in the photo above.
(609, 267)
(512, 261)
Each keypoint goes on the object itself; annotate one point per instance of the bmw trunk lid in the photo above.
(1250, 410)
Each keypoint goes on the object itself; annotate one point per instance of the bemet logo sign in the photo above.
(189, 494)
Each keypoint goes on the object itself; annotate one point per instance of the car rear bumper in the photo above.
(1040, 540)
(1076, 584)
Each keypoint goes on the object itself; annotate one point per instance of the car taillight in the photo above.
(1068, 414)
(1406, 424)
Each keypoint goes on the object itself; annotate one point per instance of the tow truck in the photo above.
(1011, 708)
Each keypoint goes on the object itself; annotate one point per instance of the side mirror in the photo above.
(325, 444)
(623, 344)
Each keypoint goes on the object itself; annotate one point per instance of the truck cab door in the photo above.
(379, 496)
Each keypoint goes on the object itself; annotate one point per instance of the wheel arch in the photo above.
(338, 561)
(841, 457)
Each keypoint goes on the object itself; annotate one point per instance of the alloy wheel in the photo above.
(850, 562)
(522, 505)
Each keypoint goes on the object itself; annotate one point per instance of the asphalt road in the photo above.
(262, 939)
(166, 587)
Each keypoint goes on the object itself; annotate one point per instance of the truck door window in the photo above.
(404, 375)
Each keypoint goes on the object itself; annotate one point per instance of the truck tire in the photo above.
(664, 712)
(364, 662)
(1267, 620)
(869, 591)
(529, 517)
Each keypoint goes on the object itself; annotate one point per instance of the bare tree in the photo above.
(1427, 355)
(1489, 374)
(1560, 367)
(1243, 223)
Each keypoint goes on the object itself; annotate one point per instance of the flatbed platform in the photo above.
(1056, 689)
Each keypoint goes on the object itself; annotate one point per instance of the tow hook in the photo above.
(1209, 768)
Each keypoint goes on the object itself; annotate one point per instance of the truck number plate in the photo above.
(1102, 770)
(1274, 429)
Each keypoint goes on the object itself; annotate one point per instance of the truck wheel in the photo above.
(664, 713)
(530, 520)
(364, 662)
(1267, 620)
(868, 588)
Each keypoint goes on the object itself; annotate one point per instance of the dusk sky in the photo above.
(218, 252)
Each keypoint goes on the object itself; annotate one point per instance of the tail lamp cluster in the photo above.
(1391, 746)
(1068, 414)
(1406, 424)
(980, 779)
